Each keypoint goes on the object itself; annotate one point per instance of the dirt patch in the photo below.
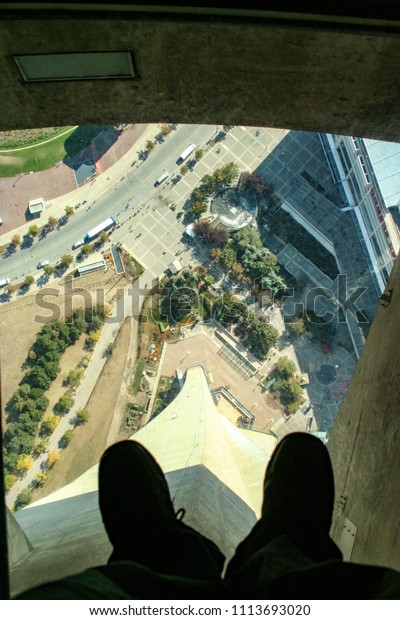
(90, 440)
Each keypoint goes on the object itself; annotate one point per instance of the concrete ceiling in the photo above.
(334, 72)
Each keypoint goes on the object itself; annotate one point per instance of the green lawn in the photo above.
(44, 156)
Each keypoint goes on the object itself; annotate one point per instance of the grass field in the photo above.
(45, 155)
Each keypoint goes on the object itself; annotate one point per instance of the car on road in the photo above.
(1, 221)
(4, 282)
(78, 244)
(42, 264)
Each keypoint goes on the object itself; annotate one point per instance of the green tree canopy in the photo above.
(33, 230)
(262, 336)
(230, 309)
(64, 403)
(228, 256)
(82, 416)
(284, 367)
(247, 238)
(67, 259)
(28, 281)
(198, 208)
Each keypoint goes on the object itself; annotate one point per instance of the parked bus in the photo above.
(106, 225)
(188, 150)
(100, 264)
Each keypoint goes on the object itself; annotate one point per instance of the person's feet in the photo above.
(298, 501)
(139, 517)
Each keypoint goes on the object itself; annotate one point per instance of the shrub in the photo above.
(9, 481)
(24, 498)
(49, 425)
(82, 416)
(53, 458)
(67, 438)
(24, 463)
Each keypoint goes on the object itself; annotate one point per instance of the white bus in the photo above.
(188, 150)
(89, 268)
(92, 234)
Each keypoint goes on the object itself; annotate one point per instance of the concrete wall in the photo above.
(364, 446)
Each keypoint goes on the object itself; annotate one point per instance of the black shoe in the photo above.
(139, 517)
(298, 501)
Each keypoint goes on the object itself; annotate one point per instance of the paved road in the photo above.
(108, 195)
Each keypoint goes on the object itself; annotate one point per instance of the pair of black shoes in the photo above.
(143, 527)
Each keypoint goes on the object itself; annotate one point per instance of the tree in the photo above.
(65, 402)
(180, 303)
(28, 281)
(74, 377)
(210, 233)
(284, 367)
(11, 288)
(86, 249)
(52, 222)
(67, 259)
(9, 481)
(184, 169)
(198, 154)
(92, 338)
(24, 498)
(291, 392)
(2, 248)
(109, 349)
(247, 238)
(16, 240)
(150, 145)
(216, 253)
(227, 128)
(69, 210)
(297, 326)
(229, 172)
(198, 208)
(67, 438)
(52, 459)
(24, 463)
(228, 257)
(33, 230)
(82, 416)
(40, 478)
(237, 271)
(165, 129)
(262, 336)
(230, 309)
(253, 182)
(40, 447)
(49, 425)
(102, 238)
(49, 270)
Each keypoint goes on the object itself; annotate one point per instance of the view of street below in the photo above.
(153, 249)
